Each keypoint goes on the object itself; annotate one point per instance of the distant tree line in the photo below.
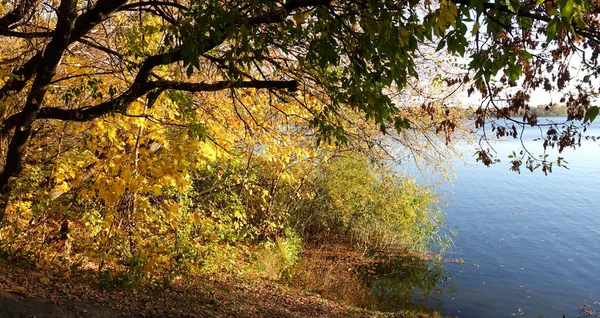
(550, 110)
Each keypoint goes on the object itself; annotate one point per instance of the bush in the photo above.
(370, 205)
(276, 260)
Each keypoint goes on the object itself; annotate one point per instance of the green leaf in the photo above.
(475, 29)
(525, 55)
(525, 22)
(513, 5)
(197, 131)
(566, 12)
(591, 113)
(478, 5)
(401, 123)
(579, 20)
(551, 30)
(514, 72)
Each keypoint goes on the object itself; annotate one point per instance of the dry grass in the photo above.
(332, 270)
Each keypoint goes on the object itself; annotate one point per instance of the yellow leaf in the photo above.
(197, 217)
(18, 289)
(299, 18)
(173, 207)
(157, 189)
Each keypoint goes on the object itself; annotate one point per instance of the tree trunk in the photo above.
(50, 59)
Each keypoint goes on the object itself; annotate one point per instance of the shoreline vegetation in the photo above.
(291, 250)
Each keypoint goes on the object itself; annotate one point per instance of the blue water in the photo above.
(530, 242)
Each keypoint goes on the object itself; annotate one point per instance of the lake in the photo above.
(530, 242)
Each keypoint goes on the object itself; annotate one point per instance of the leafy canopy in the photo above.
(78, 61)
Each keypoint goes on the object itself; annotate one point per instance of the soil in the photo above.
(325, 286)
(267, 300)
(30, 293)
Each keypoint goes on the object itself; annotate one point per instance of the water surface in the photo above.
(530, 242)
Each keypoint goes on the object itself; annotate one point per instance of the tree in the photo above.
(76, 61)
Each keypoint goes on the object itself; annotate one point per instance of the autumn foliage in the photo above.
(152, 140)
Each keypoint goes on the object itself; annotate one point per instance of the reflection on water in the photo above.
(407, 283)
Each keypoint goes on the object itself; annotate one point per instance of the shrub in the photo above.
(276, 259)
(369, 204)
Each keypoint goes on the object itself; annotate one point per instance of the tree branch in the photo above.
(204, 87)
(16, 14)
(136, 5)
(83, 24)
(119, 103)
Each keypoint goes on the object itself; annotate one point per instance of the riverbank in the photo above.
(210, 298)
(324, 284)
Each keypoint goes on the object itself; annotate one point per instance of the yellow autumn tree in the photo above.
(149, 157)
